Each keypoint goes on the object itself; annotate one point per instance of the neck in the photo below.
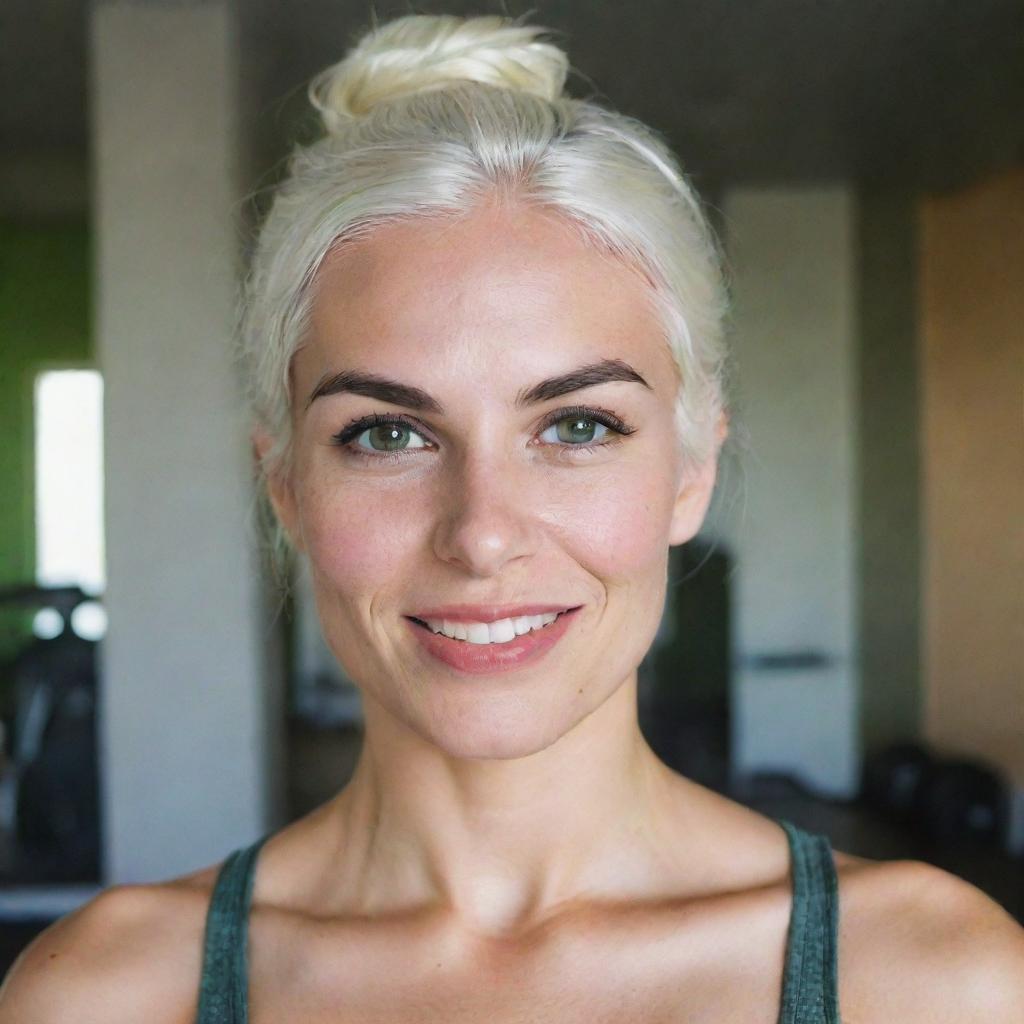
(503, 843)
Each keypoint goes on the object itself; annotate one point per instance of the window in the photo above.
(69, 491)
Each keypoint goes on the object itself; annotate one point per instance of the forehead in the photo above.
(497, 284)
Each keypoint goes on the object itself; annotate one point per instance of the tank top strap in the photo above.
(810, 977)
(223, 985)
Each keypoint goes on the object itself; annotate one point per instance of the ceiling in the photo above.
(922, 94)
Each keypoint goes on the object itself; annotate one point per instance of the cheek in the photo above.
(616, 524)
(612, 519)
(357, 538)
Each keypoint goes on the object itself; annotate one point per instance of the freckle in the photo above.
(580, 690)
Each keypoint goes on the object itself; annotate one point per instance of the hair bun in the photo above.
(421, 52)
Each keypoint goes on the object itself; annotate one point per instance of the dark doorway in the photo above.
(684, 680)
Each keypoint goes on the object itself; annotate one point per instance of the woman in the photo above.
(483, 327)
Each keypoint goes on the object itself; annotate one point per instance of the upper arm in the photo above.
(932, 948)
(101, 964)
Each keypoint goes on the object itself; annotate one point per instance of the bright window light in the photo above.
(69, 479)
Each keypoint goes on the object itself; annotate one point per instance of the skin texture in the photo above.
(510, 848)
(460, 769)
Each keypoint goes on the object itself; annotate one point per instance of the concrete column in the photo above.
(794, 592)
(190, 708)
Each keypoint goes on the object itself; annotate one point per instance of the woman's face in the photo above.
(475, 497)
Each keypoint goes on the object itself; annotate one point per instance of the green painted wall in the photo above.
(45, 320)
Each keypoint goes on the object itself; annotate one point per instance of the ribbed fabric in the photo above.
(223, 987)
(809, 981)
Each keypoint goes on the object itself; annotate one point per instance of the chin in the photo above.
(493, 735)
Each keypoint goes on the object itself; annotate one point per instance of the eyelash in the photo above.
(344, 437)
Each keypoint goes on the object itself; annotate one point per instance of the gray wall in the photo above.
(190, 717)
(795, 583)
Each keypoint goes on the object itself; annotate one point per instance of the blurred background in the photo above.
(842, 645)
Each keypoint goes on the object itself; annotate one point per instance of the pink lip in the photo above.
(485, 659)
(487, 612)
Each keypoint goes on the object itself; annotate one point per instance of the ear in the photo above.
(279, 489)
(695, 490)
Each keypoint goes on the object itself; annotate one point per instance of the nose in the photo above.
(486, 519)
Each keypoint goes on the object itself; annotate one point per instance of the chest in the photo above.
(645, 973)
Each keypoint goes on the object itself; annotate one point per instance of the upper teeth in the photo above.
(499, 632)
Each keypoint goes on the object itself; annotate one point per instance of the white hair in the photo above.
(429, 115)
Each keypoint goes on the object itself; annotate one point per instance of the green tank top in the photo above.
(809, 979)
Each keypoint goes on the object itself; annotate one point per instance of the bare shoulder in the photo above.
(132, 953)
(919, 944)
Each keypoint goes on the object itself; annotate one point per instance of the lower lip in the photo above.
(483, 659)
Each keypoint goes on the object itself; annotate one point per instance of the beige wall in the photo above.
(972, 358)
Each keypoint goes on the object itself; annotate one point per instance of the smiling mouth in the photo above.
(461, 640)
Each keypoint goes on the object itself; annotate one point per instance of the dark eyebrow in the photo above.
(394, 392)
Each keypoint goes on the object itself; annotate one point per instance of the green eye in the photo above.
(391, 436)
(577, 429)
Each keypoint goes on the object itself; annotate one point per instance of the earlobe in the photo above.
(279, 488)
(692, 502)
(695, 492)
